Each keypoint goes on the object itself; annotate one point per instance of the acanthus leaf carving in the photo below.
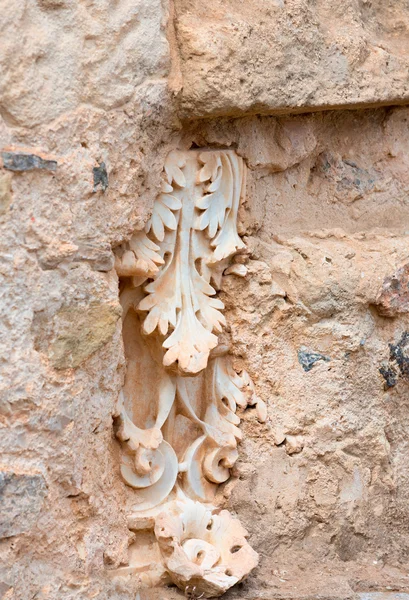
(177, 418)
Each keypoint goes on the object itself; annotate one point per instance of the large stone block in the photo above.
(272, 56)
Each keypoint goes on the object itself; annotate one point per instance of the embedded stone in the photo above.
(308, 359)
(399, 354)
(393, 299)
(100, 177)
(19, 161)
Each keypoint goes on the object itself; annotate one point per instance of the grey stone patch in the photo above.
(351, 180)
(390, 376)
(399, 353)
(15, 161)
(21, 499)
(307, 358)
(100, 177)
(398, 364)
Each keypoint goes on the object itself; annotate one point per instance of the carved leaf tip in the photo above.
(163, 216)
(174, 164)
(189, 345)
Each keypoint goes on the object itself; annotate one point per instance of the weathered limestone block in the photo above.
(292, 55)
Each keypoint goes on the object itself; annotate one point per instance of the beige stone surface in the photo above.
(88, 118)
(268, 56)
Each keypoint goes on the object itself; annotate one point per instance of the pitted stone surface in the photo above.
(291, 55)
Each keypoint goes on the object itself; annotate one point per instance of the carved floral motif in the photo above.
(176, 417)
(203, 550)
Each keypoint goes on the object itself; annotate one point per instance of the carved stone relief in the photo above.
(176, 417)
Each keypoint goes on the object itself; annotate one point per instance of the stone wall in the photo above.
(94, 96)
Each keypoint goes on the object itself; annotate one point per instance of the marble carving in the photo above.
(176, 418)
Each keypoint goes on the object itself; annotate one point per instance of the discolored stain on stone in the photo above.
(52, 4)
(349, 544)
(21, 499)
(74, 333)
(15, 161)
(80, 332)
(307, 359)
(100, 177)
(393, 299)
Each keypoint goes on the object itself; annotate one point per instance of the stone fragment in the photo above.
(100, 177)
(390, 376)
(261, 411)
(278, 435)
(80, 332)
(21, 499)
(277, 290)
(99, 256)
(393, 299)
(307, 358)
(16, 161)
(236, 269)
(55, 253)
(398, 364)
(276, 146)
(294, 444)
(399, 353)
